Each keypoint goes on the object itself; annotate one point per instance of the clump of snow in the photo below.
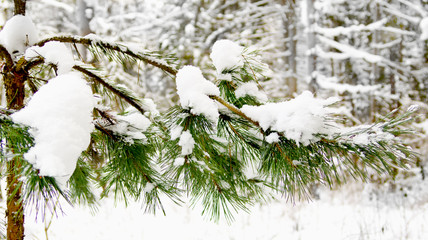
(60, 117)
(299, 119)
(251, 89)
(18, 33)
(186, 142)
(423, 25)
(272, 138)
(194, 91)
(53, 52)
(179, 161)
(226, 77)
(149, 187)
(131, 125)
(175, 132)
(250, 171)
(150, 106)
(226, 54)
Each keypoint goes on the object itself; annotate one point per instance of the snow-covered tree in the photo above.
(225, 145)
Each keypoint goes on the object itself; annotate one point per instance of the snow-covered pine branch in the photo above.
(225, 145)
(113, 49)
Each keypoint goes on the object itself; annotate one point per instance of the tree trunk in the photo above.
(83, 23)
(13, 80)
(19, 7)
(311, 59)
(15, 93)
(290, 34)
(375, 68)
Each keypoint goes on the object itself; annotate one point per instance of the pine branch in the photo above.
(4, 112)
(80, 184)
(212, 173)
(120, 93)
(234, 110)
(104, 45)
(39, 191)
(129, 171)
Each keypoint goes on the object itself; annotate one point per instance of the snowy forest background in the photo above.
(373, 54)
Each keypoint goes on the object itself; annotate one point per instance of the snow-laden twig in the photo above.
(96, 42)
(331, 32)
(121, 94)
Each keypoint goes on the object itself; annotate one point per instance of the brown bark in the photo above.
(15, 93)
(14, 80)
(15, 208)
(19, 7)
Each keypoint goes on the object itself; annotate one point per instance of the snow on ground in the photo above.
(353, 212)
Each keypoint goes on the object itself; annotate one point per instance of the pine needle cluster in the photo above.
(231, 163)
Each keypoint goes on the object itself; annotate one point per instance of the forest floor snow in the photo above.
(354, 211)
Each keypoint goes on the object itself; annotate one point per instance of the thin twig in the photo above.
(109, 87)
(114, 47)
(234, 109)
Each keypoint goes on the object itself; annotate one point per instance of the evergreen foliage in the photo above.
(231, 164)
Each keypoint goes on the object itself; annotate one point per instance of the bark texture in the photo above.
(14, 80)
(19, 7)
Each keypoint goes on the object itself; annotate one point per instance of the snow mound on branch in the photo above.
(194, 91)
(299, 119)
(60, 117)
(131, 125)
(18, 33)
(53, 52)
(226, 54)
(251, 89)
(186, 142)
(424, 29)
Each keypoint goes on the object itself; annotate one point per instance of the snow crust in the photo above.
(353, 212)
(194, 91)
(18, 33)
(298, 119)
(60, 117)
(53, 52)
(226, 54)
